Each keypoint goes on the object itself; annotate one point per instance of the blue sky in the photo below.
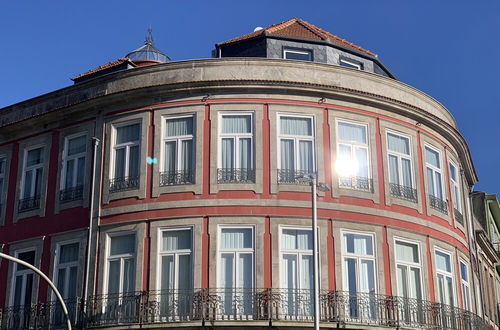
(447, 49)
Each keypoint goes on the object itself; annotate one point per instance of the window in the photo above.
(23, 280)
(297, 271)
(236, 149)
(121, 264)
(126, 150)
(236, 270)
(296, 148)
(455, 191)
(351, 64)
(73, 171)
(400, 167)
(31, 186)
(352, 156)
(178, 151)
(434, 180)
(3, 163)
(294, 54)
(176, 273)
(464, 276)
(444, 276)
(66, 278)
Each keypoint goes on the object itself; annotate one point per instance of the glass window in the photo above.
(178, 151)
(23, 280)
(455, 187)
(400, 167)
(296, 148)
(408, 269)
(351, 64)
(434, 180)
(236, 163)
(121, 264)
(126, 152)
(236, 272)
(352, 163)
(464, 279)
(3, 162)
(444, 278)
(31, 187)
(73, 171)
(66, 277)
(301, 55)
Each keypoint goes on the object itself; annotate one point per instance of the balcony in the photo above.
(216, 306)
(123, 184)
(293, 177)
(235, 175)
(438, 204)
(403, 192)
(356, 183)
(176, 178)
(28, 204)
(71, 194)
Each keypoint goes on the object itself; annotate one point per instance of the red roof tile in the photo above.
(297, 28)
(105, 66)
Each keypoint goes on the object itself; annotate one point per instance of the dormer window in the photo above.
(348, 63)
(297, 54)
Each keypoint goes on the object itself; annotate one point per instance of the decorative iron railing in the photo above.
(71, 194)
(235, 175)
(356, 182)
(175, 178)
(208, 305)
(458, 216)
(403, 192)
(438, 204)
(122, 184)
(28, 204)
(294, 177)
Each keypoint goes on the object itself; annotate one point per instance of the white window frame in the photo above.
(127, 146)
(23, 273)
(67, 265)
(32, 168)
(175, 254)
(446, 274)
(76, 157)
(351, 63)
(235, 252)
(358, 257)
(465, 300)
(355, 145)
(434, 171)
(295, 51)
(410, 264)
(120, 257)
(178, 139)
(296, 140)
(456, 200)
(236, 138)
(401, 156)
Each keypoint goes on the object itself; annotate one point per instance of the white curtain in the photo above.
(170, 156)
(227, 280)
(398, 144)
(296, 126)
(367, 276)
(245, 271)
(407, 180)
(236, 124)
(69, 253)
(358, 244)
(289, 266)
(167, 272)
(128, 275)
(439, 187)
(293, 239)
(362, 161)
(187, 155)
(129, 133)
(402, 277)
(228, 153)
(245, 153)
(432, 157)
(77, 145)
(443, 262)
(287, 155)
(179, 127)
(407, 252)
(352, 132)
(306, 281)
(306, 156)
(122, 244)
(173, 240)
(236, 238)
(415, 291)
(393, 169)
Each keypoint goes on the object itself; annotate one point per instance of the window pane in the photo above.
(367, 276)
(358, 244)
(228, 153)
(72, 282)
(430, 182)
(362, 162)
(179, 126)
(28, 257)
(293, 239)
(236, 124)
(18, 290)
(80, 171)
(398, 144)
(415, 287)
(38, 181)
(187, 155)
(134, 162)
(443, 261)
(227, 270)
(69, 253)
(289, 275)
(296, 126)
(402, 281)
(122, 244)
(29, 288)
(406, 252)
(28, 180)
(245, 271)
(287, 155)
(35, 156)
(407, 180)
(350, 132)
(2, 166)
(184, 272)
(114, 277)
(453, 172)
(236, 238)
(439, 187)
(463, 271)
(77, 145)
(246, 153)
(170, 156)
(128, 275)
(120, 163)
(69, 173)
(432, 157)
(393, 169)
(176, 240)
(61, 280)
(167, 273)
(306, 278)
(351, 275)
(300, 56)
(129, 133)
(306, 156)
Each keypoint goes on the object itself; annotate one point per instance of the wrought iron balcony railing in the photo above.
(403, 192)
(356, 182)
(71, 194)
(207, 305)
(176, 178)
(293, 177)
(235, 175)
(458, 216)
(28, 204)
(122, 184)
(438, 204)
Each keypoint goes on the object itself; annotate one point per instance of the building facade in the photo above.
(158, 193)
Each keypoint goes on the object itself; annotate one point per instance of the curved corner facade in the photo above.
(202, 200)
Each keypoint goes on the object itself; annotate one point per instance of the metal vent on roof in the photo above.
(148, 51)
